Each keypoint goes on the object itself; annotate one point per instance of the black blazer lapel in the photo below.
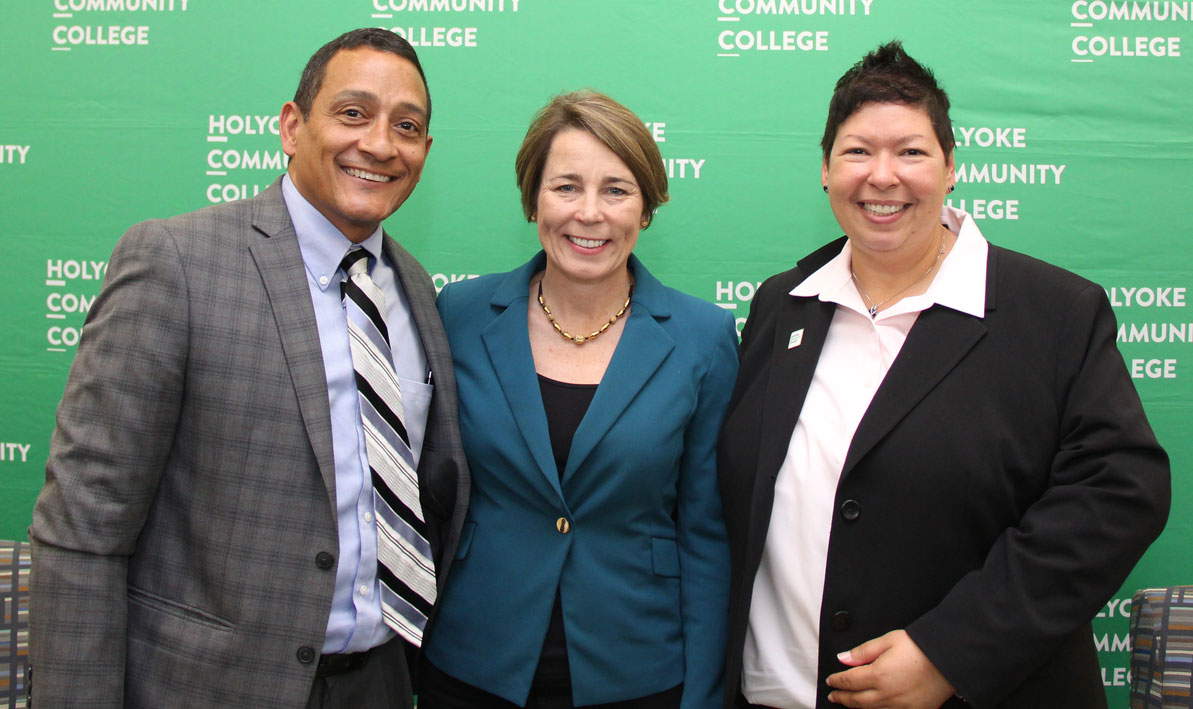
(801, 325)
(787, 383)
(800, 330)
(939, 340)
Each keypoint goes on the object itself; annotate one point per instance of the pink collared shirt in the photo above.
(783, 637)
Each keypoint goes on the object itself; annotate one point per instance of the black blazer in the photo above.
(997, 492)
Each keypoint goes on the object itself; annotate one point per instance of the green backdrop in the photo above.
(1072, 123)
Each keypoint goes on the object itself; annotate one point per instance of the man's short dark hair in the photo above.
(369, 37)
(889, 75)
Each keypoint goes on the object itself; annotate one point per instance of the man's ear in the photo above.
(288, 125)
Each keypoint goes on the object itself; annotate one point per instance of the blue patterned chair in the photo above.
(1162, 648)
(14, 633)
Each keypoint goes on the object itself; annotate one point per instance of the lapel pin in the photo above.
(796, 339)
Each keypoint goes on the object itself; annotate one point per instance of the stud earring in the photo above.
(951, 188)
(644, 223)
(825, 188)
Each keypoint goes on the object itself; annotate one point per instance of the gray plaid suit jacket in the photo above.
(190, 486)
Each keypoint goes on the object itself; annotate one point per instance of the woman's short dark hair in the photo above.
(888, 75)
(368, 37)
(609, 122)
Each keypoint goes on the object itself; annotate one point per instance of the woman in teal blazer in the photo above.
(593, 566)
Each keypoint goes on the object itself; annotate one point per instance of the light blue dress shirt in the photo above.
(355, 623)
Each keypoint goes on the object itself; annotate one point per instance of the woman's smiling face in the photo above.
(887, 178)
(589, 208)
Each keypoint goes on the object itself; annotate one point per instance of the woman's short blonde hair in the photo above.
(609, 122)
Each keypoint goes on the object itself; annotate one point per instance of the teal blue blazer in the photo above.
(643, 567)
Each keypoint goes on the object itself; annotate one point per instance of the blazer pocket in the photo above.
(172, 647)
(466, 534)
(153, 602)
(664, 556)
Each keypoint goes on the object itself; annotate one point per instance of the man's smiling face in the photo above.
(360, 152)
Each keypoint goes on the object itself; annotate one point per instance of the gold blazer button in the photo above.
(563, 525)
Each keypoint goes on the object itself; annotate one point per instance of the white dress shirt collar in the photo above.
(960, 283)
(323, 246)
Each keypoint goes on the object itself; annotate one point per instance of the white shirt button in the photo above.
(322, 280)
(368, 516)
(364, 590)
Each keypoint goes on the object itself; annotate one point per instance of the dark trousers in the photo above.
(440, 690)
(382, 681)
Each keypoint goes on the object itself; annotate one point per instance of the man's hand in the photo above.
(889, 671)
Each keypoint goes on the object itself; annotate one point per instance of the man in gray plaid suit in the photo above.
(206, 535)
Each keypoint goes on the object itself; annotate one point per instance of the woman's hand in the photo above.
(889, 671)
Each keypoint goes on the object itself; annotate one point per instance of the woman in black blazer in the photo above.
(935, 468)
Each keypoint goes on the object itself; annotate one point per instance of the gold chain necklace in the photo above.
(872, 306)
(581, 339)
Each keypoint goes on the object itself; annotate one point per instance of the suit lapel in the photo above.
(938, 341)
(280, 265)
(420, 296)
(643, 346)
(507, 342)
(801, 325)
(791, 370)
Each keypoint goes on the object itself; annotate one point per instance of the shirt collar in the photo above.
(960, 283)
(323, 246)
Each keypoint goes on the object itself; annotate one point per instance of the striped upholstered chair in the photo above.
(1162, 648)
(14, 633)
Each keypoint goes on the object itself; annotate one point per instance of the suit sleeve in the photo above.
(703, 546)
(1106, 499)
(115, 426)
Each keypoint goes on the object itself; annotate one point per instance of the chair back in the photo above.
(14, 633)
(1162, 648)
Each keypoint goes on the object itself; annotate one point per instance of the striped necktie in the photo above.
(404, 564)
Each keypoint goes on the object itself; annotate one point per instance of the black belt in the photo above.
(336, 663)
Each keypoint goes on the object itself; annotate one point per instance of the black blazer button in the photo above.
(842, 621)
(851, 510)
(324, 560)
(306, 654)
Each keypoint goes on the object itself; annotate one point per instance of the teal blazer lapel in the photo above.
(643, 347)
(279, 261)
(507, 342)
